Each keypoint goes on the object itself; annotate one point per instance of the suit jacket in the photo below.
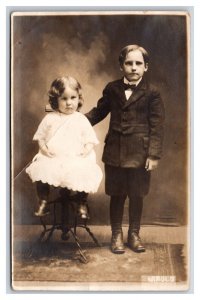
(136, 125)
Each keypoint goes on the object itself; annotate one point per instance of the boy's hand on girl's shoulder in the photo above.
(151, 164)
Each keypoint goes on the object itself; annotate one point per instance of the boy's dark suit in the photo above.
(136, 126)
(135, 134)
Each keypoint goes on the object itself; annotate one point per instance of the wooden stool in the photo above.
(68, 205)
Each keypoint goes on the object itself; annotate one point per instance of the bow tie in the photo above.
(129, 86)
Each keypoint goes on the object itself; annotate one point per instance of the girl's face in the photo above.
(68, 101)
(134, 66)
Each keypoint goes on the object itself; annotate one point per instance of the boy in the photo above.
(133, 144)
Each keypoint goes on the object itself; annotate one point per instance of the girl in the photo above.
(66, 157)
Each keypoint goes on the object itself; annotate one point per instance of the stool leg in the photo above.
(65, 218)
(92, 236)
(79, 246)
(54, 223)
(51, 229)
(44, 231)
(84, 222)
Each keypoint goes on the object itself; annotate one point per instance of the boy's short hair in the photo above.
(130, 48)
(58, 87)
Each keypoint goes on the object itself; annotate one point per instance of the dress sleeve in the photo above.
(88, 133)
(41, 133)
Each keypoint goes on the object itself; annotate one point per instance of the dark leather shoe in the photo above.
(42, 210)
(117, 244)
(82, 211)
(135, 243)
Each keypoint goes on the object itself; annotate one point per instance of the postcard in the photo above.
(100, 150)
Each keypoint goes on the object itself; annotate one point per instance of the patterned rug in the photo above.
(62, 262)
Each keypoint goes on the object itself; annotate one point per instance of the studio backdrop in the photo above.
(87, 46)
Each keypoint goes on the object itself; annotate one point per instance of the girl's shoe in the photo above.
(42, 210)
(82, 211)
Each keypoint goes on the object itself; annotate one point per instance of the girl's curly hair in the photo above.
(58, 87)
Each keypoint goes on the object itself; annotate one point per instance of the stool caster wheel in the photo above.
(65, 236)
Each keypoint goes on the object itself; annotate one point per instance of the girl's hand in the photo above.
(151, 164)
(87, 149)
(44, 149)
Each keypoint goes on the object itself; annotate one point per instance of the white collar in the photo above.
(130, 82)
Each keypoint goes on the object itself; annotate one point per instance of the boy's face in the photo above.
(134, 66)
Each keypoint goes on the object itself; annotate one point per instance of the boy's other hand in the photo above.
(151, 164)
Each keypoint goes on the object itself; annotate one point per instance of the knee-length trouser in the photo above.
(123, 182)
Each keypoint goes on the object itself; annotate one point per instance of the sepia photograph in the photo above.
(100, 150)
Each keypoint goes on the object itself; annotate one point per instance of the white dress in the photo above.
(65, 136)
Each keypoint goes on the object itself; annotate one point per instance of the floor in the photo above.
(154, 237)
